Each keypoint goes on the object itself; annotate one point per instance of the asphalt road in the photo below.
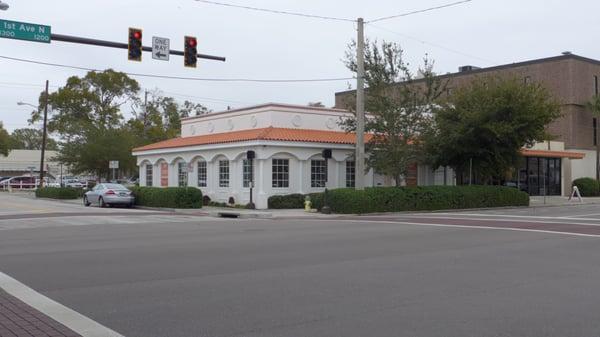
(407, 275)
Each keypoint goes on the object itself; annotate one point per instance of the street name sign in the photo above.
(24, 31)
(160, 48)
(113, 164)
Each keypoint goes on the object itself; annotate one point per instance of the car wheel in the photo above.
(86, 203)
(101, 202)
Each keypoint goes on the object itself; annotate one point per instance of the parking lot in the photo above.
(147, 273)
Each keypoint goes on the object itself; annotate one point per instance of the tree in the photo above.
(160, 119)
(4, 141)
(193, 109)
(488, 122)
(30, 139)
(86, 113)
(594, 106)
(399, 106)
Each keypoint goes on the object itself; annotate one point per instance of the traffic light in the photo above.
(189, 52)
(134, 48)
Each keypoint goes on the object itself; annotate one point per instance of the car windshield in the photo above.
(115, 186)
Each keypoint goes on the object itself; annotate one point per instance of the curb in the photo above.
(73, 320)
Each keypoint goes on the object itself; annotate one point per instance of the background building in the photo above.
(573, 80)
(23, 162)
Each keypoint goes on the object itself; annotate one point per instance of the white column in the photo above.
(193, 175)
(235, 183)
(156, 174)
(142, 174)
(212, 177)
(336, 177)
(301, 177)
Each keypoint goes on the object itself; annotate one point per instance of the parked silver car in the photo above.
(109, 194)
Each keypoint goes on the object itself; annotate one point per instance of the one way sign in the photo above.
(160, 48)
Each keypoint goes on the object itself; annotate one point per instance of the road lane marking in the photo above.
(73, 320)
(452, 215)
(558, 222)
(468, 227)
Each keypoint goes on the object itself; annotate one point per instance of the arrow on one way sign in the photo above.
(160, 48)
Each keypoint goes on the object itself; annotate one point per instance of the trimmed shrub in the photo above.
(168, 197)
(588, 187)
(59, 192)
(430, 198)
(286, 201)
(400, 199)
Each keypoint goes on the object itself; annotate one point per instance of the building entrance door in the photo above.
(540, 176)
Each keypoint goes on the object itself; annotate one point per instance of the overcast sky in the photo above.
(263, 45)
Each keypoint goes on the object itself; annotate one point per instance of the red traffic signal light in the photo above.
(134, 46)
(190, 58)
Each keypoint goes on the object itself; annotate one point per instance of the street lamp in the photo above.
(44, 132)
(3, 6)
(31, 105)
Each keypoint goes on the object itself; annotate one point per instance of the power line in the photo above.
(215, 100)
(420, 11)
(274, 11)
(333, 79)
(435, 44)
(314, 16)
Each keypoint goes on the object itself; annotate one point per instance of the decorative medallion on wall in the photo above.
(253, 121)
(297, 121)
(211, 127)
(330, 123)
(230, 124)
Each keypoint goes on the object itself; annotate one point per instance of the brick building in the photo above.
(573, 80)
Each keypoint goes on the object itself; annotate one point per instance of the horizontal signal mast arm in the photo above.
(111, 44)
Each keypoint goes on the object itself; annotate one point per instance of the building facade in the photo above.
(297, 149)
(26, 162)
(574, 81)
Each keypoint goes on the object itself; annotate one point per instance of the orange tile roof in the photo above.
(552, 154)
(270, 133)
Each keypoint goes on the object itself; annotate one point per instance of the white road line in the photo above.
(67, 317)
(505, 216)
(511, 220)
(471, 227)
(583, 215)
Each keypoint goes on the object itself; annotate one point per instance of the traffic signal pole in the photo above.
(111, 44)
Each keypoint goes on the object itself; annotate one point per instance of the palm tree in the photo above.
(594, 106)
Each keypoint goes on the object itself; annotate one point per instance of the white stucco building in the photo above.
(288, 142)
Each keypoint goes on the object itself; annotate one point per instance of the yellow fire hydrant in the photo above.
(307, 204)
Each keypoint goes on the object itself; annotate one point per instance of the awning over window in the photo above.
(552, 154)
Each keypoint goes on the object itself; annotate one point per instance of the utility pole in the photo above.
(44, 134)
(360, 108)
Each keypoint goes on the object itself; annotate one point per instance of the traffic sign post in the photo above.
(25, 31)
(160, 48)
(114, 165)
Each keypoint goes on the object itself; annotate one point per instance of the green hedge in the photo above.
(400, 199)
(296, 200)
(588, 187)
(168, 197)
(59, 192)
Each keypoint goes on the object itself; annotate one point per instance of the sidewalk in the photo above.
(244, 213)
(19, 319)
(550, 201)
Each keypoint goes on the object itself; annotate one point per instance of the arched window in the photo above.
(182, 174)
(202, 174)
